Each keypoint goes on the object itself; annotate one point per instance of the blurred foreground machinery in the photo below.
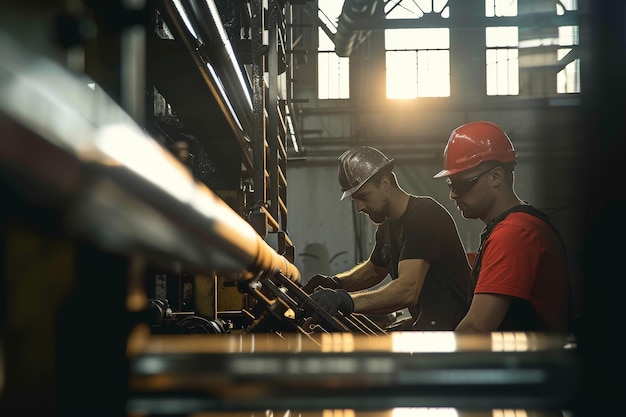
(108, 238)
(93, 210)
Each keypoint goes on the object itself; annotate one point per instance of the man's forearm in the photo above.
(360, 277)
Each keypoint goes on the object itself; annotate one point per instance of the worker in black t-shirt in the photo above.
(417, 243)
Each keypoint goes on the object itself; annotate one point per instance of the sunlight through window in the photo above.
(502, 61)
(498, 8)
(418, 58)
(333, 71)
(418, 63)
(568, 79)
(415, 9)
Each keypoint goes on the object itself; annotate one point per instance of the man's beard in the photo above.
(466, 212)
(379, 216)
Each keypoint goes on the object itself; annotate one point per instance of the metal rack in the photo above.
(270, 69)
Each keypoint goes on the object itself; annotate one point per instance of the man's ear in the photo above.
(497, 176)
(385, 182)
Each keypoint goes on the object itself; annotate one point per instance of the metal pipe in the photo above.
(111, 183)
(349, 36)
(224, 78)
(216, 48)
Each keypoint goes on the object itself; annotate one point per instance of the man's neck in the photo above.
(399, 203)
(501, 207)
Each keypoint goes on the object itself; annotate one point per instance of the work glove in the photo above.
(333, 301)
(321, 281)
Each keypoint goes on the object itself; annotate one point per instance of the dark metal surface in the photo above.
(347, 371)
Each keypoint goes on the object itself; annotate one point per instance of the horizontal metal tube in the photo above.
(112, 183)
(349, 35)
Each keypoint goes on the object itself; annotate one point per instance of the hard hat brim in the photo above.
(442, 173)
(447, 172)
(354, 189)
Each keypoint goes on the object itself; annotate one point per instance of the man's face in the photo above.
(469, 190)
(373, 201)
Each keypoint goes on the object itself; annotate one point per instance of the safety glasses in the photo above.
(462, 186)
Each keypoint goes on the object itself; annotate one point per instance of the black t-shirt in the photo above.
(427, 231)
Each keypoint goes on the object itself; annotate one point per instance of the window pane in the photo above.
(418, 62)
(497, 8)
(502, 60)
(333, 71)
(501, 36)
(433, 74)
(513, 72)
(415, 9)
(398, 39)
(329, 10)
(568, 79)
(325, 43)
(333, 76)
(502, 72)
(331, 7)
(401, 74)
(568, 35)
(563, 5)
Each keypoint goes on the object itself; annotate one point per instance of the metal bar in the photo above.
(522, 371)
(237, 117)
(113, 184)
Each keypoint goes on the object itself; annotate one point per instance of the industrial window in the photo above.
(417, 60)
(502, 53)
(568, 79)
(333, 71)
(502, 61)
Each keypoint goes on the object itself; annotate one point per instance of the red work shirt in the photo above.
(524, 258)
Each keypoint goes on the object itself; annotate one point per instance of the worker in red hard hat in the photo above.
(417, 244)
(520, 270)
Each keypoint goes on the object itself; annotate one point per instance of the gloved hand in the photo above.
(333, 300)
(321, 281)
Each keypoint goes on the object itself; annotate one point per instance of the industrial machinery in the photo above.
(338, 374)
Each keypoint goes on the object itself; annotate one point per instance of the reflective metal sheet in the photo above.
(344, 370)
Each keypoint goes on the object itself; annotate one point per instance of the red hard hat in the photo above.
(473, 143)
